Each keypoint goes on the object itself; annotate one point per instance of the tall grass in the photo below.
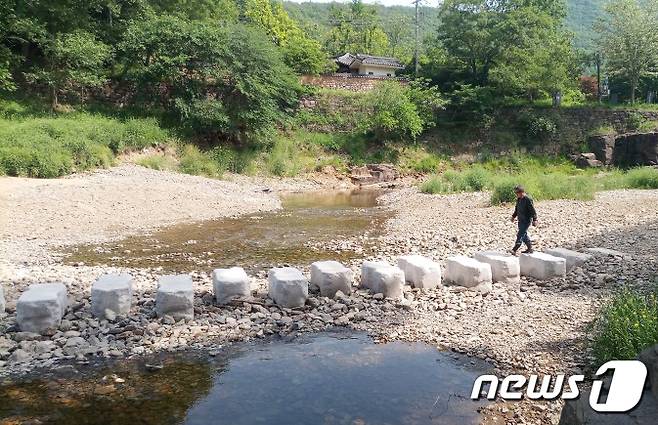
(628, 323)
(59, 145)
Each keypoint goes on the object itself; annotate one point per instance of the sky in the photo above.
(384, 2)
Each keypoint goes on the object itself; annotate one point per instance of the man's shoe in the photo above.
(528, 251)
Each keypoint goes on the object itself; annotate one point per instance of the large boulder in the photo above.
(111, 295)
(373, 173)
(542, 266)
(421, 272)
(287, 287)
(387, 280)
(331, 277)
(636, 149)
(602, 147)
(649, 356)
(230, 283)
(504, 267)
(587, 160)
(574, 258)
(175, 297)
(41, 307)
(469, 272)
(579, 412)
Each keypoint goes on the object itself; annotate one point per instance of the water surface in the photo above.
(335, 378)
(297, 234)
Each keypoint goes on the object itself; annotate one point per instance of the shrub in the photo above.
(634, 121)
(157, 162)
(476, 179)
(628, 323)
(427, 164)
(394, 116)
(195, 162)
(642, 178)
(434, 185)
(503, 191)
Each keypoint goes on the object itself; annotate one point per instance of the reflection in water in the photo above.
(294, 235)
(324, 379)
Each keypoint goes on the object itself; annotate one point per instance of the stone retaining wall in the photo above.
(354, 83)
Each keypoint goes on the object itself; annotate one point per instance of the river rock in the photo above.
(2, 300)
(230, 283)
(504, 267)
(175, 297)
(41, 307)
(574, 258)
(604, 252)
(331, 277)
(287, 287)
(111, 296)
(469, 272)
(421, 272)
(388, 281)
(367, 267)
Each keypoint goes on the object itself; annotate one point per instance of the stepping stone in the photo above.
(175, 297)
(387, 280)
(542, 266)
(2, 300)
(287, 287)
(367, 267)
(230, 283)
(331, 277)
(574, 258)
(504, 267)
(41, 307)
(605, 252)
(111, 295)
(420, 272)
(469, 272)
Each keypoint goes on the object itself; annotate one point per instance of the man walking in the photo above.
(526, 214)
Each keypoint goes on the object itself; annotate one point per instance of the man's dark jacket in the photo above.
(525, 209)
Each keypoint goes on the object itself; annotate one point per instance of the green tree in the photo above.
(629, 39)
(356, 28)
(74, 62)
(227, 81)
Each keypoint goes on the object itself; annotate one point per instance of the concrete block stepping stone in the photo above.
(542, 266)
(41, 307)
(287, 287)
(574, 258)
(367, 267)
(604, 252)
(387, 280)
(175, 297)
(331, 277)
(504, 268)
(230, 283)
(111, 296)
(469, 272)
(420, 272)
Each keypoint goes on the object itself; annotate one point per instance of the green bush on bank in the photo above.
(628, 323)
(55, 146)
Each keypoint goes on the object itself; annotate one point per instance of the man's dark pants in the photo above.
(522, 234)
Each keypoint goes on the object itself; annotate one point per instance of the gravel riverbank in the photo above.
(530, 327)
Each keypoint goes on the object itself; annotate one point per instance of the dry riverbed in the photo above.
(531, 327)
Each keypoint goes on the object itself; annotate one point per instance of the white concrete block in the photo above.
(574, 258)
(41, 307)
(287, 287)
(420, 272)
(504, 267)
(175, 297)
(468, 272)
(540, 265)
(387, 280)
(112, 292)
(230, 283)
(604, 252)
(367, 267)
(331, 277)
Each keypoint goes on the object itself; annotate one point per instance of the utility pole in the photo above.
(417, 30)
(598, 76)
